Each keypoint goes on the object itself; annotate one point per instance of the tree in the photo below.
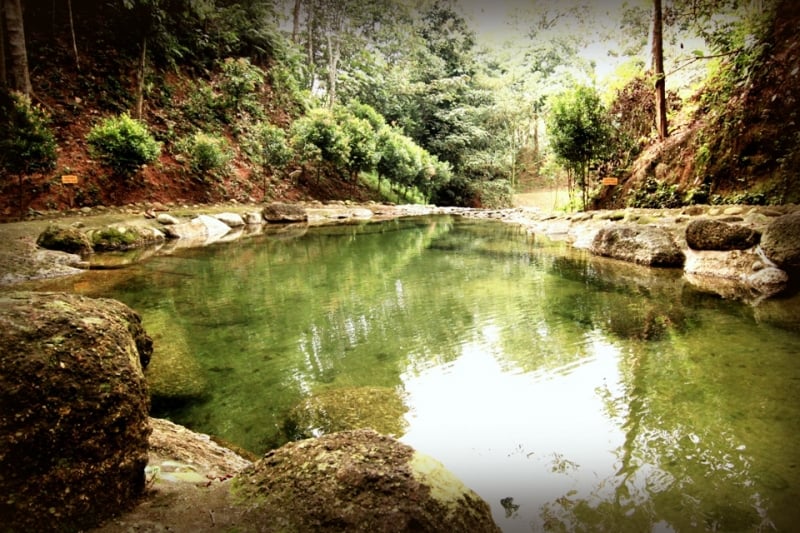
(578, 130)
(18, 76)
(658, 70)
(26, 142)
(318, 139)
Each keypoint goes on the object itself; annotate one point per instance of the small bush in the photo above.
(26, 142)
(123, 143)
(267, 146)
(208, 153)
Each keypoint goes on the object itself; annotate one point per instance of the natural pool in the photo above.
(570, 392)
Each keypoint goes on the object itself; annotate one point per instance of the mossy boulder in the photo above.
(123, 237)
(65, 239)
(357, 481)
(73, 410)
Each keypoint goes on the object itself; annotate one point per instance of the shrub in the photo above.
(239, 84)
(26, 142)
(266, 145)
(208, 153)
(123, 143)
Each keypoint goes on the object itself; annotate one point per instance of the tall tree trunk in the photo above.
(140, 74)
(3, 73)
(658, 68)
(17, 51)
(72, 32)
(333, 66)
(296, 20)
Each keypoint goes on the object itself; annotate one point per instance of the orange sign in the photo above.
(610, 181)
(69, 180)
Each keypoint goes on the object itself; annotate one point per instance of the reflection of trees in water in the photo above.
(693, 456)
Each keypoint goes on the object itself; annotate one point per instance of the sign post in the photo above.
(70, 179)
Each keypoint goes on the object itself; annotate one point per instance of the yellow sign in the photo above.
(610, 181)
(69, 180)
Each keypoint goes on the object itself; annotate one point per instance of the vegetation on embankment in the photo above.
(204, 102)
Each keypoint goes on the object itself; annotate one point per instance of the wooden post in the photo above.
(70, 180)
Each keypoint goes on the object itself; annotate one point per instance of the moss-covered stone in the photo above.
(65, 239)
(357, 481)
(73, 410)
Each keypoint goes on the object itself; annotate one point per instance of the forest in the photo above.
(644, 103)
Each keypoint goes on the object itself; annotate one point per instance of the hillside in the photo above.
(738, 143)
(742, 142)
(77, 95)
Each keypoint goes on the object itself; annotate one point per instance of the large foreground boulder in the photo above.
(73, 410)
(357, 481)
(643, 245)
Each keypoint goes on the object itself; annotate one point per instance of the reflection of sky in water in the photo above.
(529, 436)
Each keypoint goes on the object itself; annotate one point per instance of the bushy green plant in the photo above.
(267, 145)
(318, 138)
(495, 194)
(239, 84)
(123, 143)
(26, 142)
(655, 194)
(207, 153)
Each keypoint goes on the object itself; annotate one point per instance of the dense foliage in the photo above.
(386, 93)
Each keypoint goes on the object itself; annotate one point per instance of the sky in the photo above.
(493, 22)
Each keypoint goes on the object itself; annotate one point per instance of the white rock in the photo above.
(166, 219)
(232, 220)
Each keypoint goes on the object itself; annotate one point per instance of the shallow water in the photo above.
(573, 393)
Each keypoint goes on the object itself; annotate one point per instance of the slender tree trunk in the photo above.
(3, 73)
(333, 66)
(658, 68)
(72, 32)
(296, 20)
(310, 48)
(17, 51)
(141, 73)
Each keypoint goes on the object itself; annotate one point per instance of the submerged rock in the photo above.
(357, 481)
(339, 409)
(73, 410)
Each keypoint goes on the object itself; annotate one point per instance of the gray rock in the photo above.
(644, 245)
(277, 212)
(253, 217)
(708, 234)
(74, 430)
(781, 241)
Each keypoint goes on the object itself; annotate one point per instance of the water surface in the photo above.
(572, 393)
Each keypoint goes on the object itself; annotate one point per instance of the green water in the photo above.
(571, 392)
